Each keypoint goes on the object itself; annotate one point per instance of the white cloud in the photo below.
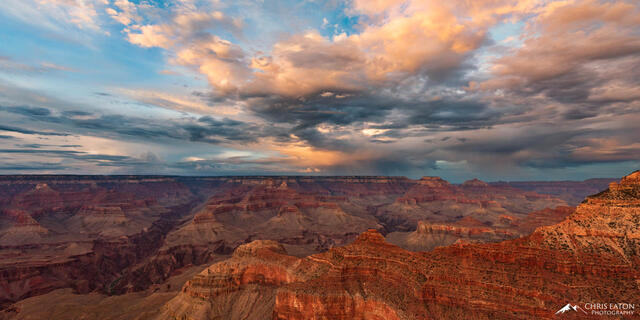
(56, 15)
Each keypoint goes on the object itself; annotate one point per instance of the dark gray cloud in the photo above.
(399, 164)
(79, 157)
(28, 111)
(32, 166)
(538, 140)
(448, 126)
(29, 131)
(75, 113)
(316, 109)
(231, 166)
(204, 129)
(39, 145)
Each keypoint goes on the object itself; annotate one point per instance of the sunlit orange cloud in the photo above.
(566, 37)
(374, 7)
(411, 37)
(430, 37)
(303, 156)
(616, 90)
(606, 149)
(431, 40)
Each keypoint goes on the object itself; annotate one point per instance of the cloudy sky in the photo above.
(495, 89)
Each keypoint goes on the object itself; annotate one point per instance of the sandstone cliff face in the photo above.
(430, 235)
(276, 212)
(435, 200)
(261, 282)
(607, 222)
(123, 234)
(592, 256)
(78, 232)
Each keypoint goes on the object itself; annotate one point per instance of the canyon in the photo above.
(278, 243)
(592, 255)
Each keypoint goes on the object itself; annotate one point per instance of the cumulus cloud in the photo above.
(183, 29)
(573, 49)
(430, 40)
(124, 12)
(410, 87)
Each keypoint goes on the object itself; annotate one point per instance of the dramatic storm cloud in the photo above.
(495, 89)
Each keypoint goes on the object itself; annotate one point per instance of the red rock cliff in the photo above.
(591, 256)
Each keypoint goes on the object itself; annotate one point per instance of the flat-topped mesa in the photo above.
(205, 217)
(475, 183)
(425, 227)
(431, 235)
(100, 210)
(371, 236)
(434, 182)
(469, 221)
(429, 189)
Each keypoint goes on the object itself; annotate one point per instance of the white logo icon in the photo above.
(570, 307)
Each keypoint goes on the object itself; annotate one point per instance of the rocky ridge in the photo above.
(593, 255)
(122, 234)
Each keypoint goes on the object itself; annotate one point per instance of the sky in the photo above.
(489, 89)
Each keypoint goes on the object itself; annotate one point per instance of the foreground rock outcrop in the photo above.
(593, 256)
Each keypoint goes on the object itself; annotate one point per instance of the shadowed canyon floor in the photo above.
(128, 243)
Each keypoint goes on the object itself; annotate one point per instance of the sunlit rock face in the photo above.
(435, 200)
(428, 235)
(592, 255)
(123, 234)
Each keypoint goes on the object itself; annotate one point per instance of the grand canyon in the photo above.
(294, 247)
(319, 159)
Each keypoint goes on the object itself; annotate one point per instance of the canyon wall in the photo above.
(122, 234)
(592, 256)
